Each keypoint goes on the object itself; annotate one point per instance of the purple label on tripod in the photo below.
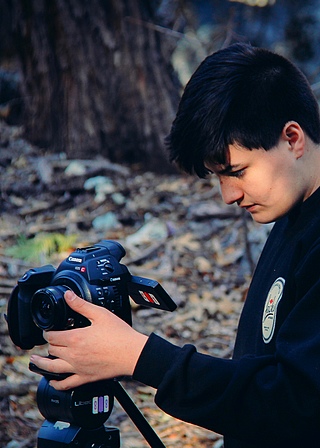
(100, 404)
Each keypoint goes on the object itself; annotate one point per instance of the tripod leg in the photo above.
(136, 416)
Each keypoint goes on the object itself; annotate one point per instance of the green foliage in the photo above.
(40, 248)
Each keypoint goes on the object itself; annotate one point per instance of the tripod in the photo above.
(75, 418)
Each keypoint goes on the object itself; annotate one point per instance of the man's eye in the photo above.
(238, 173)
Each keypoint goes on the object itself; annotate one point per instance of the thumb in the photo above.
(79, 305)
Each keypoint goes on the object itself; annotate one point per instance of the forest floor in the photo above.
(174, 228)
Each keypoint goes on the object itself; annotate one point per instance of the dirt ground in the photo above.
(175, 229)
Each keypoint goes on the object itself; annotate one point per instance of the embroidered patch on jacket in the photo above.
(270, 309)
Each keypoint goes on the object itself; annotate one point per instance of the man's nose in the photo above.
(230, 191)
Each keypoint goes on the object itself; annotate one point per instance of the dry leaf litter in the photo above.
(175, 229)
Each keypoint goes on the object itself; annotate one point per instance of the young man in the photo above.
(248, 116)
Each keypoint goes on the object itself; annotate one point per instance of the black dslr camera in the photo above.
(75, 417)
(95, 274)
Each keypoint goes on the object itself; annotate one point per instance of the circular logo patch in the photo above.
(270, 309)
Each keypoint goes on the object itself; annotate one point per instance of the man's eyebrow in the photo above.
(227, 169)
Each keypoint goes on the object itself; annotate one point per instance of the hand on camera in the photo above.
(108, 348)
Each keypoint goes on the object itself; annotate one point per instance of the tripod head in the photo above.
(88, 406)
(76, 417)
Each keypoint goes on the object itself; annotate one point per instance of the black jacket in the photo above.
(268, 395)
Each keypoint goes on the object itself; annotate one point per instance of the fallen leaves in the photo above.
(174, 228)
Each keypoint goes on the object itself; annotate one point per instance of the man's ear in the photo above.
(294, 135)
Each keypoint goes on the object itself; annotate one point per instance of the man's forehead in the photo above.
(236, 155)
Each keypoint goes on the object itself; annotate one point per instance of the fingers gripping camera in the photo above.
(95, 274)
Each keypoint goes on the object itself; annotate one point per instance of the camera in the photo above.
(96, 275)
(75, 417)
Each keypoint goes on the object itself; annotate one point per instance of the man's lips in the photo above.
(248, 207)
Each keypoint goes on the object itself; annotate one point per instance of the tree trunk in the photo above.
(97, 77)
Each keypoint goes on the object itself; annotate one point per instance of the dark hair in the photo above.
(242, 95)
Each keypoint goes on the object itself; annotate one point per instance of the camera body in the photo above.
(96, 275)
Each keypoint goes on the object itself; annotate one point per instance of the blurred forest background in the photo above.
(88, 91)
(104, 77)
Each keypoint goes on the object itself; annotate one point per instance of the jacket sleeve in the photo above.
(276, 395)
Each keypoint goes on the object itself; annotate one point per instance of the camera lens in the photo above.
(48, 308)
